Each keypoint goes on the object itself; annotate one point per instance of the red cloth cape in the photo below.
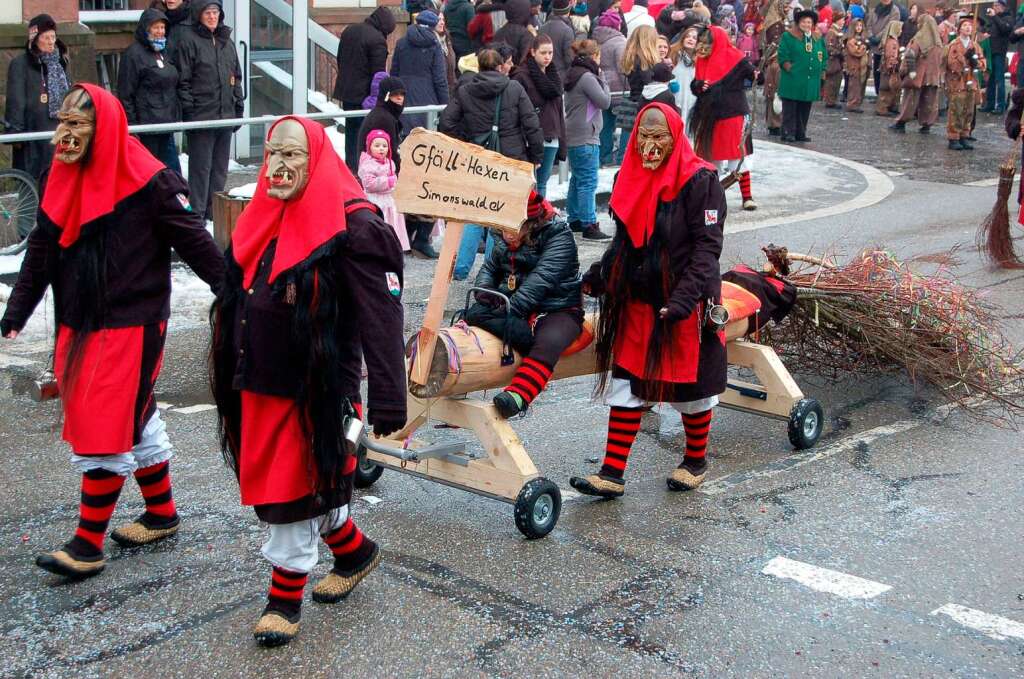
(302, 224)
(637, 191)
(118, 166)
(723, 58)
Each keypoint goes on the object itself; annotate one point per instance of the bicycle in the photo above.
(19, 202)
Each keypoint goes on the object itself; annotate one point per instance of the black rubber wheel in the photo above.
(806, 422)
(367, 472)
(537, 508)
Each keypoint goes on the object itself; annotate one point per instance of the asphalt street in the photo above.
(891, 549)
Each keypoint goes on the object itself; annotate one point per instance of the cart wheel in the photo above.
(367, 472)
(806, 421)
(537, 508)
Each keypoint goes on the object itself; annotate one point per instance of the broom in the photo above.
(994, 237)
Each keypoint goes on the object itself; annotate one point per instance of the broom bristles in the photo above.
(994, 237)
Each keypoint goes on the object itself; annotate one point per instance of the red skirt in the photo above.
(275, 464)
(727, 139)
(679, 361)
(109, 399)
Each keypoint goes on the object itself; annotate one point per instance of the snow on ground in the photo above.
(233, 165)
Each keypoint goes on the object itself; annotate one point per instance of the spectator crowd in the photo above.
(554, 81)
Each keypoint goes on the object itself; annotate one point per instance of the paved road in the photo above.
(893, 549)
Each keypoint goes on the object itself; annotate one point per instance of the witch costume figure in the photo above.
(720, 121)
(313, 284)
(656, 283)
(109, 217)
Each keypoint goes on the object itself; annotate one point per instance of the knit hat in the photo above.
(539, 208)
(561, 7)
(962, 19)
(378, 134)
(41, 23)
(857, 12)
(390, 86)
(610, 19)
(427, 18)
(580, 8)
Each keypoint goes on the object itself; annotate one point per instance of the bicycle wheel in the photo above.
(19, 201)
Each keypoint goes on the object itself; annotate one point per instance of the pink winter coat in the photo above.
(377, 176)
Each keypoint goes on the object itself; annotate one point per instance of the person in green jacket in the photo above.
(802, 56)
(457, 15)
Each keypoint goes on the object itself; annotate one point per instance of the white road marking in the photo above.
(824, 580)
(568, 494)
(993, 626)
(371, 500)
(164, 405)
(730, 481)
(198, 408)
(993, 181)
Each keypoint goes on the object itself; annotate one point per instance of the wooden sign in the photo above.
(451, 179)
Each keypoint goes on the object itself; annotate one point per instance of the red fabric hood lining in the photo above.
(723, 58)
(303, 224)
(118, 166)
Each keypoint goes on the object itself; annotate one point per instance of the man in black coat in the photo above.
(999, 25)
(30, 78)
(362, 51)
(515, 33)
(209, 88)
(147, 85)
(179, 20)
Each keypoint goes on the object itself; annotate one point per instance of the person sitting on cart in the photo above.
(538, 270)
(656, 282)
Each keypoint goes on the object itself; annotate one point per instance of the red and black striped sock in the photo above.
(623, 425)
(697, 427)
(350, 547)
(530, 379)
(285, 595)
(155, 483)
(745, 186)
(100, 490)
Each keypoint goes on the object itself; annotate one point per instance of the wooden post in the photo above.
(438, 298)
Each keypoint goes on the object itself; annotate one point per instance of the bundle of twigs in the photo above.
(994, 237)
(876, 314)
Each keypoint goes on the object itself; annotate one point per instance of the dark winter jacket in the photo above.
(420, 63)
(470, 115)
(637, 78)
(134, 242)
(999, 28)
(178, 22)
(384, 116)
(209, 74)
(547, 271)
(362, 51)
(515, 33)
(727, 97)
(265, 344)
(26, 113)
(457, 15)
(147, 81)
(546, 100)
(562, 35)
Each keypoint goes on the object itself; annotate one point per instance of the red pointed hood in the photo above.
(302, 224)
(638, 190)
(118, 165)
(723, 58)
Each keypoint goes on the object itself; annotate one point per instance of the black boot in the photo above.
(507, 405)
(965, 146)
(955, 145)
(594, 232)
(925, 129)
(774, 131)
(899, 127)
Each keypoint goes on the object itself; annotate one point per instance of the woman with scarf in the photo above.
(638, 61)
(314, 283)
(147, 83)
(684, 54)
(37, 81)
(801, 56)
(921, 73)
(445, 41)
(543, 84)
(720, 123)
(888, 96)
(109, 217)
(655, 283)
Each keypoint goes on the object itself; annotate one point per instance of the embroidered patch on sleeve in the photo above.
(394, 287)
(710, 217)
(183, 199)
